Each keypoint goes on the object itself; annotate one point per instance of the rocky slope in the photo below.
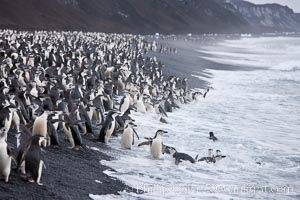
(267, 17)
(146, 16)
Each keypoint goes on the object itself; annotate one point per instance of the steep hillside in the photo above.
(267, 17)
(144, 16)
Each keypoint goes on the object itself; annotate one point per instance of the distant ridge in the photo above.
(147, 16)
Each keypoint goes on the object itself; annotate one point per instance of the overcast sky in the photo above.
(294, 4)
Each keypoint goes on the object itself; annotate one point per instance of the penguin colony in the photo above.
(56, 84)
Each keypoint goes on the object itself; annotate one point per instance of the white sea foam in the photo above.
(256, 52)
(255, 115)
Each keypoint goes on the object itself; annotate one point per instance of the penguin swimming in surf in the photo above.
(212, 136)
(218, 155)
(179, 157)
(210, 158)
(205, 94)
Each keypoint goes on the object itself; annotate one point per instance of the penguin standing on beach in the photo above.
(72, 130)
(6, 116)
(5, 156)
(125, 103)
(31, 153)
(127, 139)
(108, 127)
(156, 145)
(40, 125)
(140, 105)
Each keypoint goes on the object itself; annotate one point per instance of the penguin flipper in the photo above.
(144, 143)
(22, 153)
(162, 111)
(177, 161)
(132, 138)
(202, 159)
(148, 138)
(136, 134)
(162, 120)
(122, 101)
(56, 120)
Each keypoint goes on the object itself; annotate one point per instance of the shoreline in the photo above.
(187, 62)
(72, 174)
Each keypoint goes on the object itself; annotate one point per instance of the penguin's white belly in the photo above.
(140, 107)
(156, 149)
(40, 127)
(90, 114)
(16, 120)
(124, 106)
(7, 122)
(150, 108)
(5, 161)
(127, 138)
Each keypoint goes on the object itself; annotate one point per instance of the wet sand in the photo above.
(187, 61)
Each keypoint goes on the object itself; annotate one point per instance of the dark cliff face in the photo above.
(267, 17)
(137, 16)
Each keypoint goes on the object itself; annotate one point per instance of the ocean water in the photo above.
(256, 116)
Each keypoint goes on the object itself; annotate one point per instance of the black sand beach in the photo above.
(69, 174)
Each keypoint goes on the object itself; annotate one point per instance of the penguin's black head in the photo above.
(211, 134)
(160, 132)
(169, 150)
(132, 108)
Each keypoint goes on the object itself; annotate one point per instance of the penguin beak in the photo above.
(165, 132)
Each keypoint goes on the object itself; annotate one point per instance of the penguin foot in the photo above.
(39, 183)
(31, 181)
(77, 148)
